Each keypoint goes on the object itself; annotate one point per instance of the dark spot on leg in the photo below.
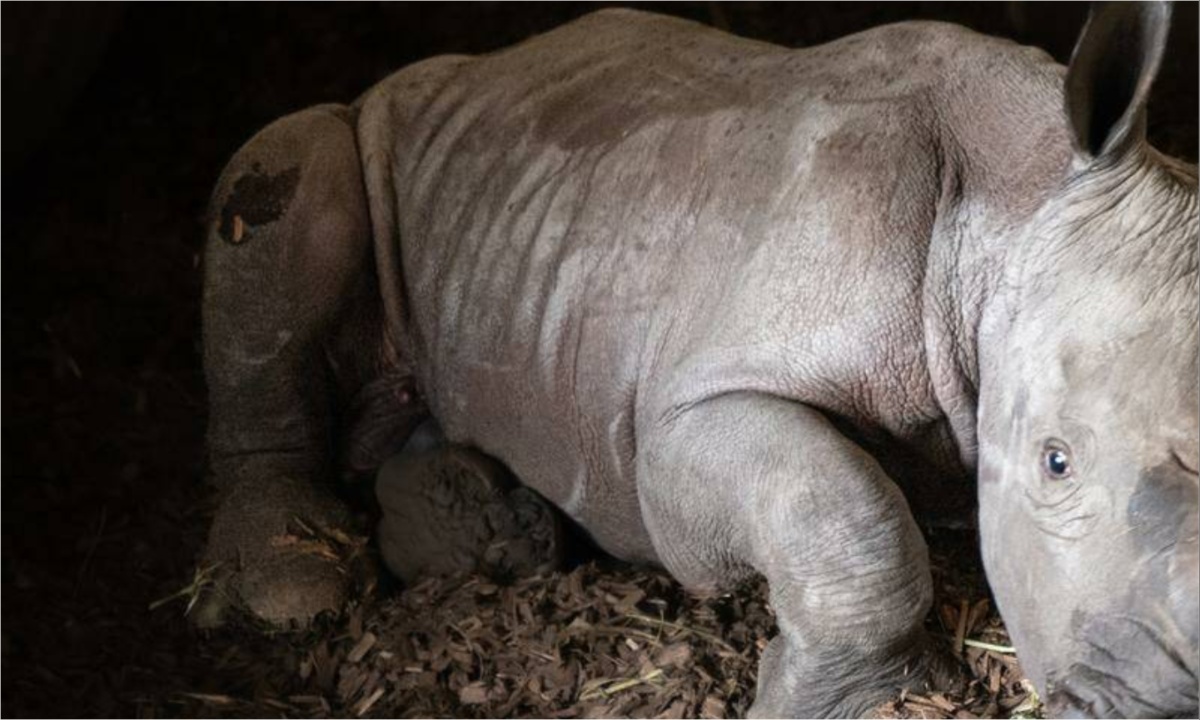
(258, 198)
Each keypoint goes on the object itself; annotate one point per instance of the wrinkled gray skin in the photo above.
(728, 305)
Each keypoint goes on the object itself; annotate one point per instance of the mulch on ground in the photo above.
(601, 640)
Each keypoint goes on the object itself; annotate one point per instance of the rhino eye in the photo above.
(1056, 461)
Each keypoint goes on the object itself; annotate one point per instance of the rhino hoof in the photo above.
(294, 589)
(289, 592)
(279, 554)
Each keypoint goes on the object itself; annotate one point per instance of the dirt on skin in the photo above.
(104, 505)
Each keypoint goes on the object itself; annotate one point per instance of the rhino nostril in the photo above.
(1189, 465)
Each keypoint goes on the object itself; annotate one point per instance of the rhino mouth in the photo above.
(1140, 675)
(1085, 692)
(1091, 694)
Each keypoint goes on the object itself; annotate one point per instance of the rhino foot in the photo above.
(281, 552)
(450, 509)
(796, 680)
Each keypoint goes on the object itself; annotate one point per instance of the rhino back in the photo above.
(632, 213)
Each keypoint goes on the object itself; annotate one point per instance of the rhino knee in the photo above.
(290, 212)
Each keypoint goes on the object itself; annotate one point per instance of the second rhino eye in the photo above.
(1056, 461)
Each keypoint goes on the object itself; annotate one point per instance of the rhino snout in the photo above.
(1085, 692)
(1129, 664)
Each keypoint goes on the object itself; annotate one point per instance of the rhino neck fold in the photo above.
(981, 210)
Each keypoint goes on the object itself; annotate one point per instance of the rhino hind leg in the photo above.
(287, 275)
(449, 509)
(747, 483)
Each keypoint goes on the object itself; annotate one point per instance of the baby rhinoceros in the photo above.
(736, 308)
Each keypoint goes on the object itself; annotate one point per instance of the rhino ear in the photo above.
(1112, 68)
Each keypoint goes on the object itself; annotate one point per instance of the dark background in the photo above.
(117, 120)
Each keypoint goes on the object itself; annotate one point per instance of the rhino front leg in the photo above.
(287, 270)
(747, 482)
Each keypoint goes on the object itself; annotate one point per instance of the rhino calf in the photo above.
(737, 308)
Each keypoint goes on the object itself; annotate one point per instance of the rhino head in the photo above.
(1089, 393)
